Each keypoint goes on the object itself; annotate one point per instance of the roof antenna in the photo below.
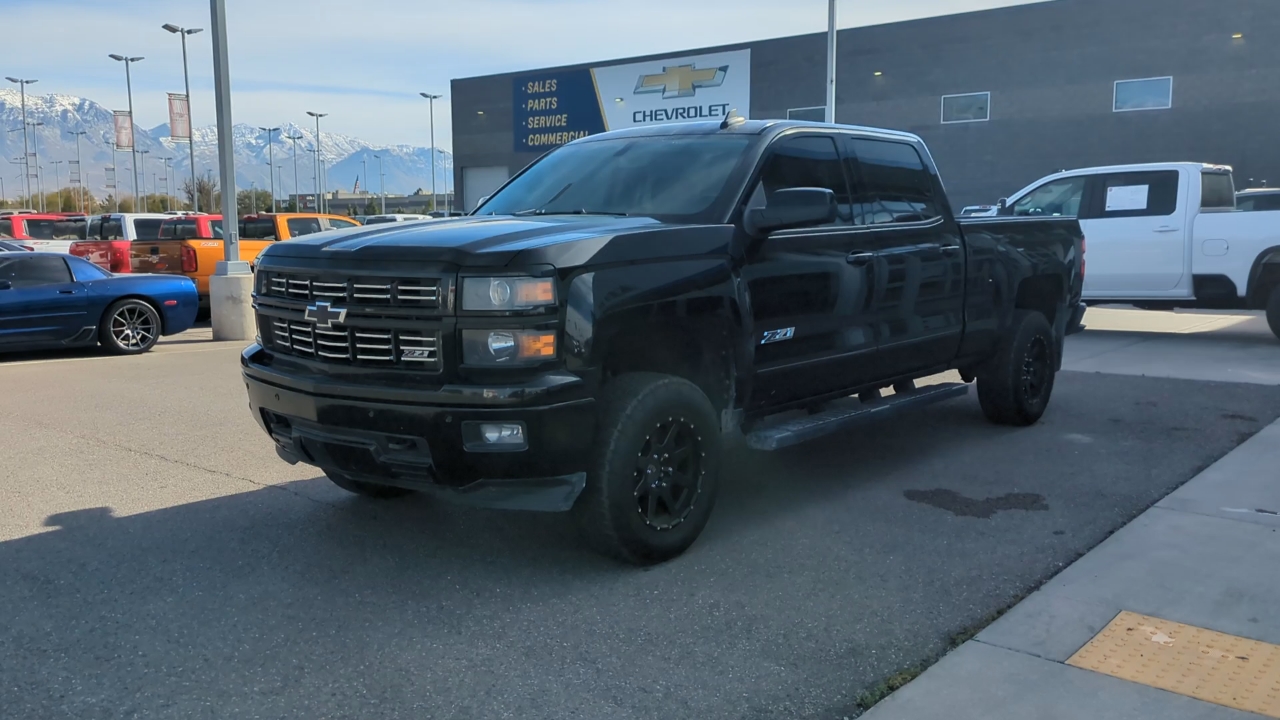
(731, 119)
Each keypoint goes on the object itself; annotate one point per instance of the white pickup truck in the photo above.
(1165, 235)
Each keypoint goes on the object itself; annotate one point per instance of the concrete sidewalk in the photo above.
(1207, 556)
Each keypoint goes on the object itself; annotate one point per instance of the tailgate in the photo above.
(159, 256)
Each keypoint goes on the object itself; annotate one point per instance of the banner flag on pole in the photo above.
(124, 130)
(179, 117)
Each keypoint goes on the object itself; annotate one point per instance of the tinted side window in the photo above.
(6, 228)
(35, 270)
(95, 229)
(1259, 203)
(892, 184)
(147, 229)
(112, 229)
(258, 229)
(303, 226)
(1059, 198)
(1217, 191)
(339, 224)
(807, 161)
(1140, 194)
(85, 270)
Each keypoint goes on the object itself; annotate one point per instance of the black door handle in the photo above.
(860, 258)
(66, 292)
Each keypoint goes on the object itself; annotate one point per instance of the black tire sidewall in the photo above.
(108, 339)
(1001, 390)
(631, 412)
(1273, 311)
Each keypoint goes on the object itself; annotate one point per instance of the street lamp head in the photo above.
(136, 59)
(118, 58)
(317, 115)
(429, 96)
(171, 28)
(193, 31)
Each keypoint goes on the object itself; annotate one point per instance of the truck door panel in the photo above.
(918, 304)
(809, 300)
(1137, 231)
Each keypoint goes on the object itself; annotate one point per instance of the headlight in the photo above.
(507, 348)
(504, 294)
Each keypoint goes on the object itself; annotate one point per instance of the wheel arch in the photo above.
(1264, 275)
(150, 301)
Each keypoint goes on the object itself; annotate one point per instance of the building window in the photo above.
(1148, 94)
(810, 114)
(967, 108)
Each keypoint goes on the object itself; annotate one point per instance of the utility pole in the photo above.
(57, 182)
(271, 161)
(133, 129)
(143, 199)
(297, 191)
(831, 61)
(191, 141)
(35, 156)
(431, 100)
(320, 204)
(80, 204)
(382, 184)
(22, 84)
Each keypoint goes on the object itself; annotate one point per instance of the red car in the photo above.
(47, 232)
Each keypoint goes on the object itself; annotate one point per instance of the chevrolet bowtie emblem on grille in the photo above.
(681, 81)
(324, 315)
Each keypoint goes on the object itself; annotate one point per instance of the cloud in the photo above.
(365, 63)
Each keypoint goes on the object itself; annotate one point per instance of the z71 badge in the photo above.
(773, 336)
(416, 354)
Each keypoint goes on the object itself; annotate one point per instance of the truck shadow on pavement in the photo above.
(815, 579)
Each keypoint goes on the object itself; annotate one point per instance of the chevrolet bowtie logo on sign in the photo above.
(680, 81)
(324, 315)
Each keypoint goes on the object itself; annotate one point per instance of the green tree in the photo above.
(249, 202)
(370, 207)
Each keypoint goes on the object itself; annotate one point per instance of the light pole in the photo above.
(57, 183)
(143, 198)
(79, 169)
(231, 286)
(831, 61)
(319, 178)
(191, 141)
(22, 84)
(271, 161)
(431, 100)
(364, 171)
(297, 191)
(382, 185)
(133, 131)
(168, 189)
(315, 174)
(35, 155)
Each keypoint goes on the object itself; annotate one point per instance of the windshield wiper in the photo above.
(544, 211)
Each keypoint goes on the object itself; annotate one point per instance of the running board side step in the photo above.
(850, 413)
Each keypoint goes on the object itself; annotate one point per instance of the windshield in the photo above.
(675, 179)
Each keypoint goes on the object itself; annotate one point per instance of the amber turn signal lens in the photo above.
(535, 292)
(537, 345)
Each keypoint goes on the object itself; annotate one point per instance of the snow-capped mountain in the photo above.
(406, 168)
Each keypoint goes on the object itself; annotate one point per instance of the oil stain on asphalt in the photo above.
(959, 505)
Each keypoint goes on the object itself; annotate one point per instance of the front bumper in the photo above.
(415, 440)
(1076, 323)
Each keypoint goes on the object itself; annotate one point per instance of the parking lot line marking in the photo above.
(18, 363)
(1222, 669)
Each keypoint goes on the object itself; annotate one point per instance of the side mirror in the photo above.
(792, 208)
(1002, 203)
(6, 285)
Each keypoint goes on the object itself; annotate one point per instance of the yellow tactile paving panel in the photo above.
(1211, 666)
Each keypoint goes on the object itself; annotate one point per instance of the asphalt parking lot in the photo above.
(159, 561)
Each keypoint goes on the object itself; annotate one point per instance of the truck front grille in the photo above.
(399, 292)
(409, 349)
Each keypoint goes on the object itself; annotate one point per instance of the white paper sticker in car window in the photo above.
(1127, 197)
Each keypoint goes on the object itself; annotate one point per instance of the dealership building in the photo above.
(1001, 96)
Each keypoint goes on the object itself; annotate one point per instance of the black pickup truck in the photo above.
(585, 340)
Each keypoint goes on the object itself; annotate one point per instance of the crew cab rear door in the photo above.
(1137, 225)
(899, 211)
(809, 287)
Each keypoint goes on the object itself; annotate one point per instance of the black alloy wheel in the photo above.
(1016, 382)
(1037, 367)
(668, 474)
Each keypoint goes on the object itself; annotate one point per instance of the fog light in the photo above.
(494, 436)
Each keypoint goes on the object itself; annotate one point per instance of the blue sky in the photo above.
(365, 62)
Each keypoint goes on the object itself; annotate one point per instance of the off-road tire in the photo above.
(366, 489)
(1273, 311)
(129, 327)
(1015, 384)
(637, 415)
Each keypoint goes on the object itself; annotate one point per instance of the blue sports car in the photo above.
(50, 301)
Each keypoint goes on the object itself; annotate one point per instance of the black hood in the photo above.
(487, 241)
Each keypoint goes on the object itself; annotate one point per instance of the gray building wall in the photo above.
(1050, 68)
